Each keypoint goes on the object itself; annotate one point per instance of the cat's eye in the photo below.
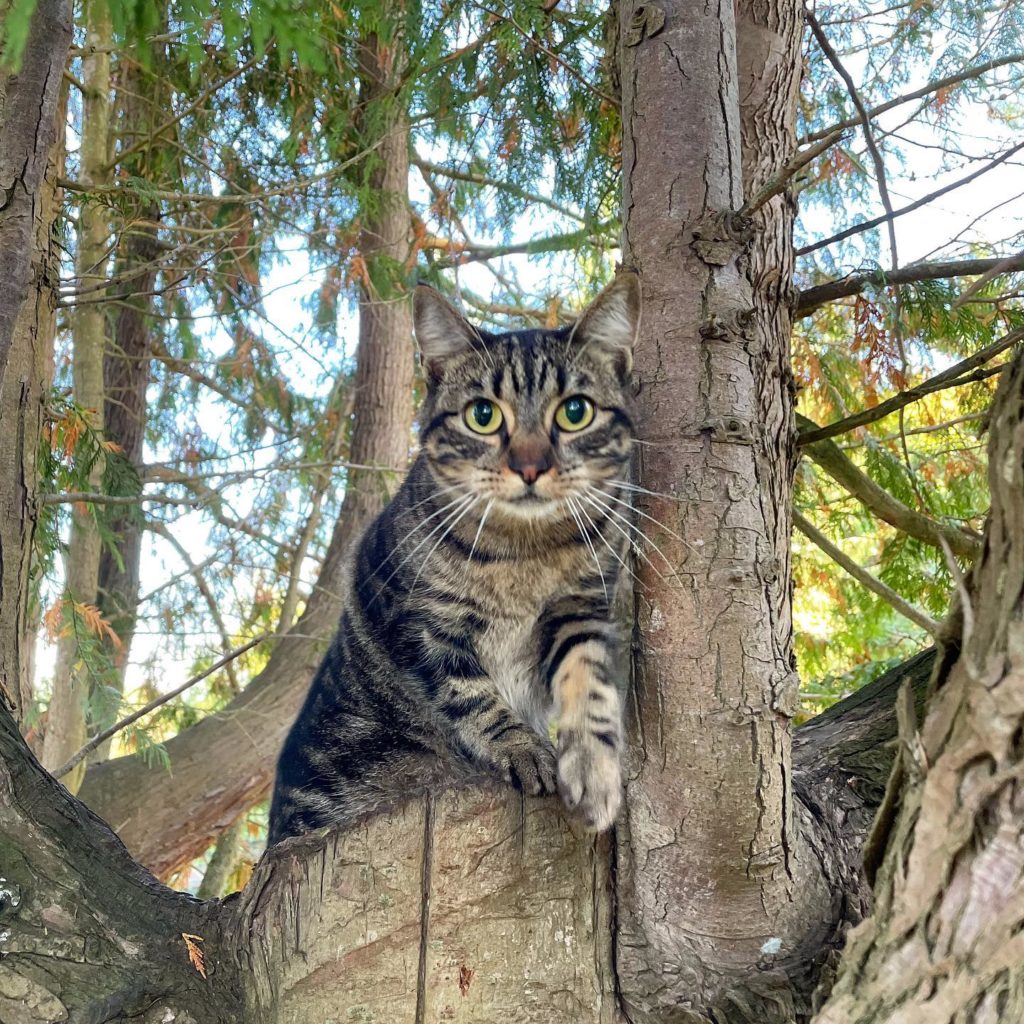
(483, 416)
(574, 413)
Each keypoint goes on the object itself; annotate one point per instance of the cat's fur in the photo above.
(480, 603)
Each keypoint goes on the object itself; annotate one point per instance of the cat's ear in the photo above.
(441, 330)
(609, 326)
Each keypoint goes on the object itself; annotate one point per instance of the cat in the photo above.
(481, 599)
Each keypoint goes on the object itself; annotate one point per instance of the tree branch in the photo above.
(881, 503)
(957, 375)
(862, 576)
(925, 90)
(813, 298)
(867, 225)
(865, 120)
(105, 735)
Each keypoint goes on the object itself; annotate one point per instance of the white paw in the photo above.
(590, 779)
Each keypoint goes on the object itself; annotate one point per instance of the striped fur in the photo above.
(479, 607)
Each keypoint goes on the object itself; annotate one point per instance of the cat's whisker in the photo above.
(604, 540)
(453, 508)
(628, 486)
(642, 537)
(640, 533)
(450, 525)
(476, 539)
(607, 510)
(590, 544)
(642, 514)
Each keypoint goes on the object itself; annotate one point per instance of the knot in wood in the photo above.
(722, 237)
(647, 21)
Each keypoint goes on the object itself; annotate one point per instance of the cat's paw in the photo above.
(528, 763)
(590, 779)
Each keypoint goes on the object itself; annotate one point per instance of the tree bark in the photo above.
(29, 201)
(28, 106)
(946, 941)
(66, 720)
(713, 833)
(220, 768)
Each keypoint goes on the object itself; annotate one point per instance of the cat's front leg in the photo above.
(589, 723)
(487, 733)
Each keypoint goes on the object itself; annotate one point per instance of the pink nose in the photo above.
(530, 473)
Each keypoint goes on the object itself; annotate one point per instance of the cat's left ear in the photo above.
(609, 326)
(441, 330)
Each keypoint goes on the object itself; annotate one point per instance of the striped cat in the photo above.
(480, 603)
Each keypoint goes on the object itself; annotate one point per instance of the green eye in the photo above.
(483, 416)
(575, 413)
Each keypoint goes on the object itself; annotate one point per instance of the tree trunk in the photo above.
(219, 771)
(66, 721)
(720, 891)
(126, 372)
(29, 201)
(28, 106)
(945, 944)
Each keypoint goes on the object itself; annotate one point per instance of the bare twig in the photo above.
(105, 735)
(796, 163)
(865, 120)
(925, 90)
(867, 225)
(862, 576)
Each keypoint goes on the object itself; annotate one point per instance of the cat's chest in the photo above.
(507, 647)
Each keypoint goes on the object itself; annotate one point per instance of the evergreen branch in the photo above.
(867, 225)
(105, 735)
(796, 163)
(862, 576)
(957, 375)
(472, 253)
(881, 503)
(532, 39)
(865, 119)
(820, 295)
(926, 90)
(456, 174)
(195, 105)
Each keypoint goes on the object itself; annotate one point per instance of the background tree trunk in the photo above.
(29, 202)
(219, 770)
(66, 720)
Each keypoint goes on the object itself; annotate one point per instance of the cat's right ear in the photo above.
(441, 330)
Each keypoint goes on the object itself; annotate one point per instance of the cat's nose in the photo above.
(530, 458)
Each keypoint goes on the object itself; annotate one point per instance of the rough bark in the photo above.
(713, 833)
(29, 200)
(472, 908)
(225, 763)
(69, 698)
(86, 934)
(945, 943)
(28, 105)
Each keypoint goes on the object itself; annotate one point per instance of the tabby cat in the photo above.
(480, 602)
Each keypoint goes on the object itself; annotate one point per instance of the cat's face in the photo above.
(534, 423)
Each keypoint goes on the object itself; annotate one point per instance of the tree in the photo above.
(728, 889)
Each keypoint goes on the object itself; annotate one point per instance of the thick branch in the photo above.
(881, 503)
(819, 295)
(863, 577)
